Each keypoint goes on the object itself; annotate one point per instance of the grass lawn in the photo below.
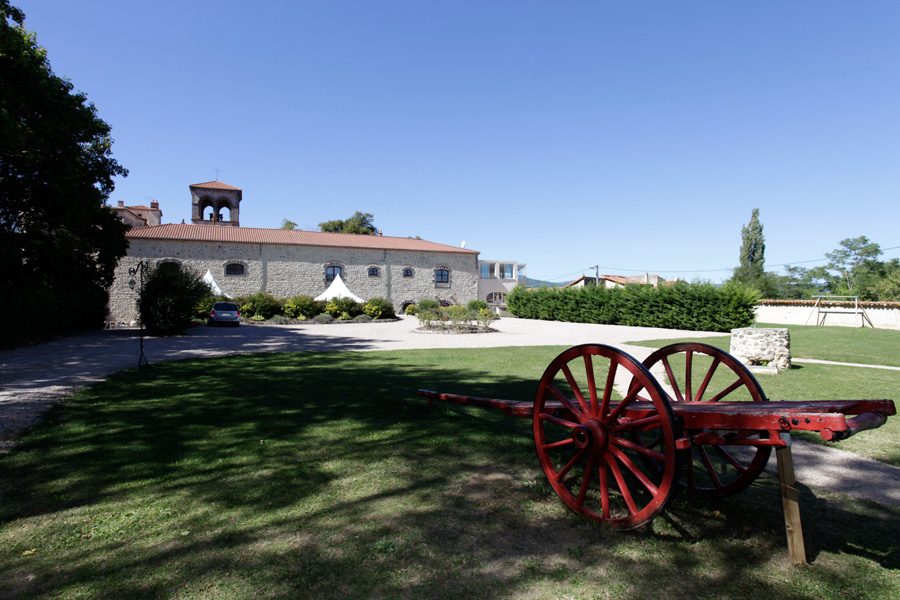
(323, 475)
(840, 344)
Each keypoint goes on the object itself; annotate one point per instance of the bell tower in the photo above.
(215, 203)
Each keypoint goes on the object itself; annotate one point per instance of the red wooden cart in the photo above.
(615, 444)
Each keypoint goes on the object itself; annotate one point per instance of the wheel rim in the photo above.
(704, 373)
(585, 437)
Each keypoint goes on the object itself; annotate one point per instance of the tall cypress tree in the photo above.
(753, 251)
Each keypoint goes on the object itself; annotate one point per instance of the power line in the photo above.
(722, 270)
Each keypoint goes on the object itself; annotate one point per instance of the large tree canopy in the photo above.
(59, 242)
(358, 223)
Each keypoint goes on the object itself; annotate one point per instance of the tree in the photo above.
(358, 223)
(853, 269)
(286, 224)
(753, 250)
(169, 298)
(59, 241)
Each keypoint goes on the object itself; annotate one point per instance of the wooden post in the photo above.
(790, 501)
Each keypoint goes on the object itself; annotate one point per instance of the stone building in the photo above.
(285, 263)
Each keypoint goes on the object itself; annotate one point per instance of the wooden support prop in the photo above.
(790, 501)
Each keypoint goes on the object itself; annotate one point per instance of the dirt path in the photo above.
(32, 379)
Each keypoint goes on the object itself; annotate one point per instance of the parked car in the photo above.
(226, 313)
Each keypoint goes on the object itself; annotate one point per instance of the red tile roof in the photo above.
(286, 237)
(215, 185)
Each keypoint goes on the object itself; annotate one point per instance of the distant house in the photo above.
(496, 279)
(286, 263)
(612, 281)
(139, 216)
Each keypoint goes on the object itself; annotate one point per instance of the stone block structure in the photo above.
(286, 263)
(754, 346)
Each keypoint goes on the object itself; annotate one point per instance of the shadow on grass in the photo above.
(324, 475)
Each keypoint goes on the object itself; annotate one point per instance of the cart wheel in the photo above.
(585, 437)
(704, 373)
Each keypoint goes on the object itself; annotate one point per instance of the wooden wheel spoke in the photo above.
(704, 456)
(548, 417)
(565, 401)
(582, 403)
(688, 365)
(731, 459)
(586, 482)
(604, 490)
(620, 408)
(637, 424)
(620, 483)
(727, 391)
(707, 379)
(645, 450)
(563, 442)
(608, 389)
(635, 470)
(592, 385)
(672, 381)
(575, 460)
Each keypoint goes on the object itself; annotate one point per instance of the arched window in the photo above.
(332, 271)
(496, 298)
(442, 275)
(408, 272)
(374, 272)
(234, 269)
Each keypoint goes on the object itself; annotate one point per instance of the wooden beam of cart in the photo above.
(828, 417)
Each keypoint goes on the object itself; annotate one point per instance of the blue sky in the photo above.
(637, 136)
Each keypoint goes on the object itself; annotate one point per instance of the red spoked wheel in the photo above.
(588, 437)
(703, 373)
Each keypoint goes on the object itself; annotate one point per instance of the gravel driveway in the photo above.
(32, 379)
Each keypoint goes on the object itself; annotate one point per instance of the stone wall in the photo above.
(754, 346)
(286, 271)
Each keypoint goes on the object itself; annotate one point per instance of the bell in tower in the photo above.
(215, 203)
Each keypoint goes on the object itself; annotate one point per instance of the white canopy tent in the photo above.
(209, 279)
(338, 289)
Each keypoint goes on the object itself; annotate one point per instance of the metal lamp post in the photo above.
(139, 270)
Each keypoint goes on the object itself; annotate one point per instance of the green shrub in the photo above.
(458, 314)
(362, 319)
(486, 316)
(411, 310)
(168, 301)
(338, 306)
(379, 308)
(303, 307)
(323, 318)
(695, 306)
(429, 304)
(262, 305)
(476, 305)
(279, 320)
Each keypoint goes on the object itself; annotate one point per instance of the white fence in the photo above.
(882, 315)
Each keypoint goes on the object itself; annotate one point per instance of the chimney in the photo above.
(121, 204)
(154, 204)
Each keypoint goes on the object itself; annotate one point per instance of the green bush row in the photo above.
(263, 306)
(692, 306)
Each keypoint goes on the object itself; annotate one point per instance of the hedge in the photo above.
(691, 306)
